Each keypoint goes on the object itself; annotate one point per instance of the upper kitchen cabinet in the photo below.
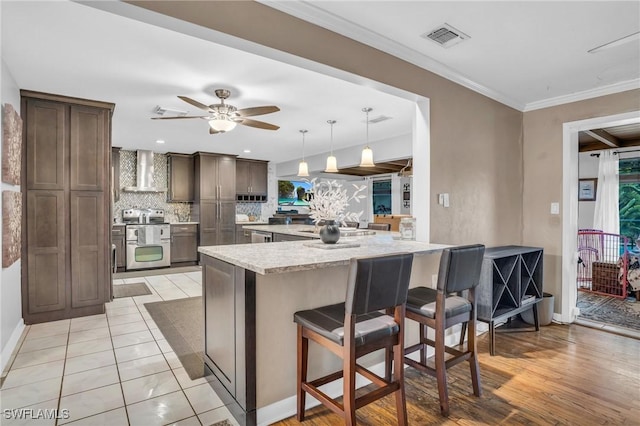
(180, 168)
(67, 155)
(251, 180)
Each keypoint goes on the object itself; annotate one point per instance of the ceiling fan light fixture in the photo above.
(367, 153)
(303, 167)
(222, 123)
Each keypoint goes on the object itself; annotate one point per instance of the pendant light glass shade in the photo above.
(303, 167)
(367, 158)
(367, 154)
(332, 162)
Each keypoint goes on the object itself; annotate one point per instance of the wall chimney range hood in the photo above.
(144, 174)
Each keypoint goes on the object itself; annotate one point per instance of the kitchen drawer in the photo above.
(184, 229)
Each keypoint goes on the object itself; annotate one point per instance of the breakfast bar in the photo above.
(251, 292)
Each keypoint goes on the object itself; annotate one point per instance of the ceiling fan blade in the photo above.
(256, 123)
(180, 117)
(213, 132)
(194, 103)
(248, 112)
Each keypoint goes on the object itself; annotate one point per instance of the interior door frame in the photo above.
(570, 130)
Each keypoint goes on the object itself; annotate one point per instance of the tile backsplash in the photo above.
(156, 200)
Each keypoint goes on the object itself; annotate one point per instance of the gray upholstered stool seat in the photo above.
(422, 301)
(328, 321)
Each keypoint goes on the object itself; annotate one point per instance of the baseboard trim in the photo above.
(8, 351)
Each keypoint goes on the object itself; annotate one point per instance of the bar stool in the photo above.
(452, 302)
(355, 328)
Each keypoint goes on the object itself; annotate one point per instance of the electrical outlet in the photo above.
(555, 208)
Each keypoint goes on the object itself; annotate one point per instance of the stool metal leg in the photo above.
(303, 355)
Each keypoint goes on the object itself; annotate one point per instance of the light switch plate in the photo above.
(446, 200)
(440, 199)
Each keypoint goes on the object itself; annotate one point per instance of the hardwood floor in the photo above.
(562, 375)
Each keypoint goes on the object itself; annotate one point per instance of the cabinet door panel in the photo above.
(243, 176)
(184, 248)
(45, 144)
(181, 173)
(227, 178)
(88, 137)
(226, 222)
(88, 253)
(220, 338)
(259, 178)
(46, 251)
(208, 223)
(207, 168)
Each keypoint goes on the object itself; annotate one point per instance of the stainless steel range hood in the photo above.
(144, 174)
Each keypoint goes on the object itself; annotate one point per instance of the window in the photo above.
(629, 197)
(382, 196)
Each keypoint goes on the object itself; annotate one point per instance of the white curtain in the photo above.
(607, 215)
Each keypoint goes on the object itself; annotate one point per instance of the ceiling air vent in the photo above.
(163, 110)
(378, 119)
(445, 35)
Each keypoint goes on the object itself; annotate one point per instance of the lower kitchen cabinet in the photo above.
(118, 238)
(243, 236)
(184, 243)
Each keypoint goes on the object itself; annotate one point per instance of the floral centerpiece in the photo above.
(329, 204)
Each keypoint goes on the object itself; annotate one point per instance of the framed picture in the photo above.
(587, 189)
(11, 145)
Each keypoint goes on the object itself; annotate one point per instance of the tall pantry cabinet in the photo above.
(66, 166)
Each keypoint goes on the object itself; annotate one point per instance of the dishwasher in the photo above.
(261, 237)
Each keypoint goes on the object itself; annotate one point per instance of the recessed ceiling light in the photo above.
(159, 141)
(247, 151)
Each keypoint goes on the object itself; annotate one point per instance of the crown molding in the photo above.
(308, 12)
(586, 94)
(313, 14)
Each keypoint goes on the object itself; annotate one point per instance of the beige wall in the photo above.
(476, 143)
(543, 174)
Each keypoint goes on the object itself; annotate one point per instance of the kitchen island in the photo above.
(250, 294)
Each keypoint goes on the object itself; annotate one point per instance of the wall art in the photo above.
(11, 145)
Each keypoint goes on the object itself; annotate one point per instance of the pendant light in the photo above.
(303, 168)
(332, 163)
(367, 153)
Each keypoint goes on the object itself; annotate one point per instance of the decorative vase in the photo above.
(330, 232)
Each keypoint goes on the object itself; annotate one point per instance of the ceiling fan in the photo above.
(223, 117)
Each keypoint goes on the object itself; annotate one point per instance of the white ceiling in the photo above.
(524, 54)
(89, 53)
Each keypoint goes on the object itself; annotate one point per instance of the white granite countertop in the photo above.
(255, 222)
(311, 231)
(275, 258)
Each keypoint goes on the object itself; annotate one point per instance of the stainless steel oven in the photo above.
(148, 246)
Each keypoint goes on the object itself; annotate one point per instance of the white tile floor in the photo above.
(110, 369)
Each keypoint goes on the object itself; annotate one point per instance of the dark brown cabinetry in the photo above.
(243, 236)
(251, 181)
(67, 165)
(118, 238)
(184, 243)
(181, 174)
(214, 198)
